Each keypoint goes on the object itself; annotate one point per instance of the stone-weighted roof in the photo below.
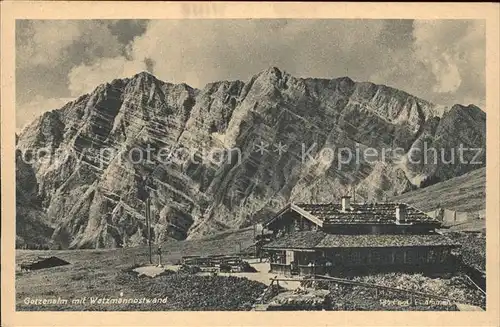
(382, 240)
(378, 213)
(321, 240)
(298, 240)
(325, 214)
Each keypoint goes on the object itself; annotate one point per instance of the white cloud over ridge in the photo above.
(84, 78)
(48, 42)
(453, 51)
(203, 51)
(27, 112)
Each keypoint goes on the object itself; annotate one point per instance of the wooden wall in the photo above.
(394, 259)
(388, 256)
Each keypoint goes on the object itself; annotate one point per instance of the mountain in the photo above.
(227, 155)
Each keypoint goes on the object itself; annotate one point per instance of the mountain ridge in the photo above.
(101, 207)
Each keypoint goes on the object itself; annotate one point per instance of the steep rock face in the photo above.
(229, 154)
(32, 229)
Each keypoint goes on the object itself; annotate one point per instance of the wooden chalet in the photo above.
(355, 238)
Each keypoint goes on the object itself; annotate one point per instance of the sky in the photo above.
(442, 61)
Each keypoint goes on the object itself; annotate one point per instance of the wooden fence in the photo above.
(411, 293)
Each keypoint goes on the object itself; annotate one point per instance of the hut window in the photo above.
(375, 256)
(399, 256)
(290, 257)
(411, 257)
(337, 255)
(354, 257)
(278, 257)
(386, 256)
(431, 257)
(297, 226)
(330, 258)
(444, 255)
(380, 256)
(422, 255)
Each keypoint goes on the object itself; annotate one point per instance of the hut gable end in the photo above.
(293, 218)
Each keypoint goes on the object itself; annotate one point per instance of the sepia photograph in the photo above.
(258, 164)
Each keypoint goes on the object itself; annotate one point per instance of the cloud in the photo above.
(443, 62)
(48, 42)
(197, 52)
(42, 42)
(48, 51)
(439, 60)
(454, 51)
(27, 112)
(85, 78)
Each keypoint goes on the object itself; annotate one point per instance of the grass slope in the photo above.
(464, 193)
(100, 273)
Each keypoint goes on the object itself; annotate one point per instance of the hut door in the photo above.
(289, 257)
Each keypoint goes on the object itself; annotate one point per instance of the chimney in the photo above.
(400, 213)
(346, 203)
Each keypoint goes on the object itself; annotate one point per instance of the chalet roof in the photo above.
(298, 240)
(383, 240)
(332, 213)
(366, 213)
(320, 240)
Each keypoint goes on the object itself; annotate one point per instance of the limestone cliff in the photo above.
(201, 161)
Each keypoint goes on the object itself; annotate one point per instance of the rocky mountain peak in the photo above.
(144, 74)
(272, 75)
(272, 71)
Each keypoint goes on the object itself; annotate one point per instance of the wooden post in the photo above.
(260, 245)
(148, 224)
(159, 257)
(254, 241)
